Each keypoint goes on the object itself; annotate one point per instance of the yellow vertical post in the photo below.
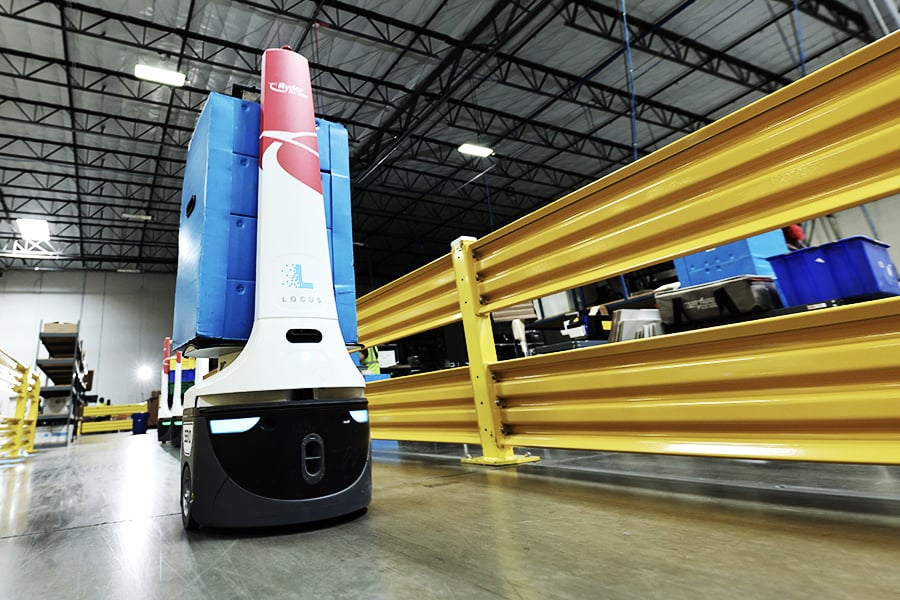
(31, 411)
(480, 346)
(21, 390)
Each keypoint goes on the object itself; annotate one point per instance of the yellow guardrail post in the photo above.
(21, 391)
(30, 410)
(17, 432)
(480, 346)
(23, 427)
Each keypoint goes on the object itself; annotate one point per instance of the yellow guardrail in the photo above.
(825, 143)
(105, 426)
(422, 300)
(814, 386)
(17, 431)
(817, 386)
(109, 410)
(430, 407)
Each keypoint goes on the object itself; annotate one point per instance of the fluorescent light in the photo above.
(475, 150)
(128, 270)
(34, 230)
(136, 217)
(158, 75)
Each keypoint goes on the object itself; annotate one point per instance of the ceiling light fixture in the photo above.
(136, 217)
(158, 75)
(34, 230)
(128, 270)
(475, 150)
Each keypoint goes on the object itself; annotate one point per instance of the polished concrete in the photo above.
(99, 519)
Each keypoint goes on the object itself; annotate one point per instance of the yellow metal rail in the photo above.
(105, 426)
(824, 143)
(818, 386)
(109, 410)
(431, 407)
(422, 300)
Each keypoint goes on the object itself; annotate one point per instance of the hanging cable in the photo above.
(884, 28)
(479, 123)
(798, 32)
(630, 68)
(871, 222)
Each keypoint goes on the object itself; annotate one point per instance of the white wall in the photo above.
(124, 318)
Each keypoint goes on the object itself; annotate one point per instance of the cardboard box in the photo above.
(58, 327)
(153, 410)
(54, 435)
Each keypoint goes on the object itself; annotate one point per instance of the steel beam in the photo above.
(450, 73)
(837, 15)
(605, 22)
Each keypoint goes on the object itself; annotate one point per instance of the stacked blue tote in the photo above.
(216, 283)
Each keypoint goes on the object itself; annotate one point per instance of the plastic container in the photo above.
(139, 423)
(853, 267)
(215, 289)
(718, 300)
(744, 257)
(376, 376)
(635, 323)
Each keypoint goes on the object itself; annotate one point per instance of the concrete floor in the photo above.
(100, 520)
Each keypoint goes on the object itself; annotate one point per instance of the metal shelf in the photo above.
(65, 371)
(56, 391)
(52, 419)
(58, 370)
(60, 345)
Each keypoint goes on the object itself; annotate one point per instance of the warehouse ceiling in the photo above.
(543, 83)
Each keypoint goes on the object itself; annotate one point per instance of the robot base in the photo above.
(274, 463)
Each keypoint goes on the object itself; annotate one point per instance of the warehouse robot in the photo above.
(279, 433)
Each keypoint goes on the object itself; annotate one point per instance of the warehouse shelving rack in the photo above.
(66, 375)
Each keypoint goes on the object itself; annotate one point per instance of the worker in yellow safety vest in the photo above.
(368, 357)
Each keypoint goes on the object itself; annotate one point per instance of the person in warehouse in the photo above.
(368, 357)
(794, 236)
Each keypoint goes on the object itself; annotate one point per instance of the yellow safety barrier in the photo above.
(432, 407)
(105, 426)
(817, 386)
(109, 410)
(828, 142)
(17, 432)
(422, 300)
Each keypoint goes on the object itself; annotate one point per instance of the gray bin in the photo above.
(718, 300)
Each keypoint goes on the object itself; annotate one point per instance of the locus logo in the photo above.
(292, 277)
(283, 88)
